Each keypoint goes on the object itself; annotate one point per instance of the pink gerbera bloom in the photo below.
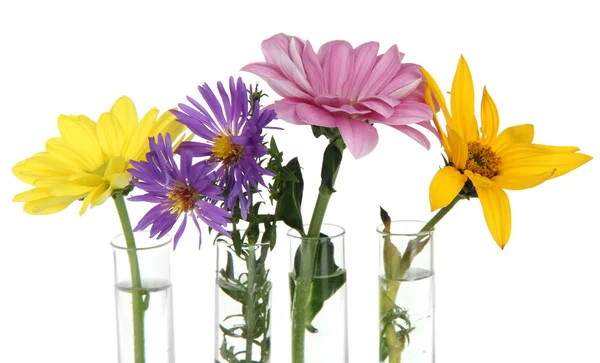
(346, 88)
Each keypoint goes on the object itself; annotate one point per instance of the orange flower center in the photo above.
(182, 198)
(483, 160)
(226, 151)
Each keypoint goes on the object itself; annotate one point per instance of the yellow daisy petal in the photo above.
(100, 199)
(116, 173)
(462, 102)
(93, 196)
(32, 194)
(124, 111)
(38, 169)
(445, 186)
(459, 149)
(77, 188)
(79, 133)
(490, 121)
(429, 102)
(478, 180)
(563, 163)
(496, 210)
(47, 205)
(111, 136)
(520, 134)
(518, 152)
(138, 145)
(520, 182)
(69, 156)
(437, 93)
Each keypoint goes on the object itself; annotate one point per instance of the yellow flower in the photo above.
(89, 161)
(488, 161)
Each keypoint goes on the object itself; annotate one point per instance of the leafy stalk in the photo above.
(137, 293)
(251, 288)
(332, 159)
(395, 266)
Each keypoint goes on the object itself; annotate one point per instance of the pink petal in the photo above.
(332, 100)
(281, 40)
(338, 67)
(402, 84)
(427, 125)
(389, 100)
(407, 112)
(286, 110)
(360, 137)
(284, 63)
(378, 106)
(414, 134)
(323, 52)
(263, 70)
(418, 95)
(313, 69)
(406, 90)
(286, 88)
(346, 110)
(382, 73)
(364, 60)
(295, 53)
(313, 115)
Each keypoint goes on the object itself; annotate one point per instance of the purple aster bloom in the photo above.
(233, 140)
(189, 190)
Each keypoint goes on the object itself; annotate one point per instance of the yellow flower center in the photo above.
(483, 160)
(226, 151)
(182, 198)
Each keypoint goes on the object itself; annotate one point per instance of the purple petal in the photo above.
(179, 232)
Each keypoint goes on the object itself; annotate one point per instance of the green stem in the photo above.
(137, 294)
(308, 250)
(389, 294)
(441, 214)
(250, 306)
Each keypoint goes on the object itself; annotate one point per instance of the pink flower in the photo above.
(347, 88)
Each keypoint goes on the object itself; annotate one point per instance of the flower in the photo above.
(89, 160)
(346, 88)
(187, 190)
(487, 161)
(233, 139)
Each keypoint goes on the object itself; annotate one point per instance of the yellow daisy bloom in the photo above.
(481, 162)
(89, 160)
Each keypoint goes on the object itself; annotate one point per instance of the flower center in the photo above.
(182, 198)
(483, 160)
(226, 151)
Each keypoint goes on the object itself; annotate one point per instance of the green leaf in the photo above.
(391, 255)
(332, 159)
(327, 279)
(318, 131)
(270, 234)
(385, 218)
(229, 273)
(289, 202)
(414, 247)
(237, 241)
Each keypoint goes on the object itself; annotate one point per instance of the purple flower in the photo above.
(233, 140)
(188, 190)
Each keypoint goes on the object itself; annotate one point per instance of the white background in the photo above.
(536, 301)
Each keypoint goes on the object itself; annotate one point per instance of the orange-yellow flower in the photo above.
(487, 161)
